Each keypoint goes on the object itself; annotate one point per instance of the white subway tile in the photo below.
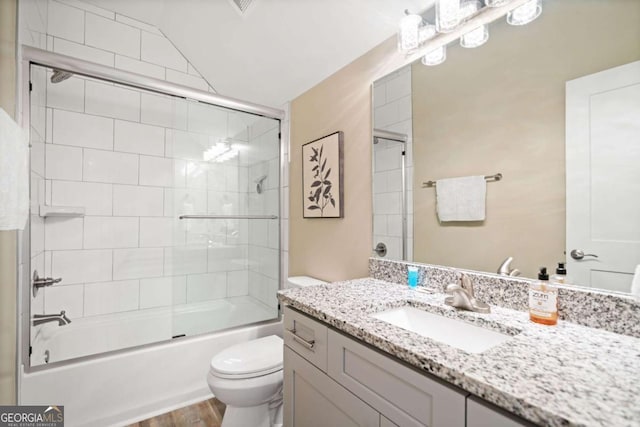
(82, 130)
(112, 36)
(110, 297)
(112, 101)
(186, 145)
(191, 70)
(259, 233)
(159, 232)
(157, 292)
(62, 162)
(66, 22)
(189, 80)
(82, 266)
(62, 233)
(137, 263)
(237, 283)
(49, 126)
(37, 234)
(179, 289)
(129, 200)
(206, 287)
(138, 24)
(140, 67)
(89, 8)
(206, 119)
(185, 260)
(196, 173)
(156, 171)
(110, 232)
(227, 258)
(379, 94)
(184, 202)
(109, 166)
(399, 87)
(160, 51)
(83, 52)
(67, 298)
(163, 111)
(67, 94)
(138, 138)
(95, 198)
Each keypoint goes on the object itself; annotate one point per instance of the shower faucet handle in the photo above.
(41, 282)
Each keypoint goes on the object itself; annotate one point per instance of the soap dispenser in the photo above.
(561, 274)
(543, 300)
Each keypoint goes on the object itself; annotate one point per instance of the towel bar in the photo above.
(496, 177)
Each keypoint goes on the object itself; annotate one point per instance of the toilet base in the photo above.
(258, 416)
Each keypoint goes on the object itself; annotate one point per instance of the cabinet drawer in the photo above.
(404, 396)
(306, 337)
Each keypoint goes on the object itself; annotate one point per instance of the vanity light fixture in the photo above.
(466, 20)
(526, 13)
(479, 35)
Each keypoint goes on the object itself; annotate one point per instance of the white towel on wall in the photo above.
(461, 199)
(635, 283)
(14, 174)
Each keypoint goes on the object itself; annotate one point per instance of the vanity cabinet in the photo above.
(331, 379)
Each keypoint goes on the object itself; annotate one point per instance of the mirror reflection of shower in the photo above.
(385, 174)
(259, 183)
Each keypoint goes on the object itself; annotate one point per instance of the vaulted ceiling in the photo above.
(276, 49)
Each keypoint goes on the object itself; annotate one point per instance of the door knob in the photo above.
(579, 254)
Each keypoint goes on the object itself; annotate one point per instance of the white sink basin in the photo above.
(456, 333)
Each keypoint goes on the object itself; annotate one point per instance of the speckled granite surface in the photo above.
(550, 375)
(613, 312)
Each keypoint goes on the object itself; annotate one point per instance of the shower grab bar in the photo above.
(228, 217)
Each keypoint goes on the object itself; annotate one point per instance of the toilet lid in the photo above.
(253, 358)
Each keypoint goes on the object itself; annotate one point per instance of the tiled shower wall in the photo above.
(132, 160)
(392, 111)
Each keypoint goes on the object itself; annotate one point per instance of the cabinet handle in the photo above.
(300, 340)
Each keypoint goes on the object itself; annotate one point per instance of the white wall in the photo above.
(392, 111)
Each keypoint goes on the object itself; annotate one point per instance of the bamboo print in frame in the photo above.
(322, 177)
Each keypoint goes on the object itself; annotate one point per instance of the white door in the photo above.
(603, 177)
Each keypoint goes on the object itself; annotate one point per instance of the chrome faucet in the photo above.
(462, 296)
(506, 270)
(62, 319)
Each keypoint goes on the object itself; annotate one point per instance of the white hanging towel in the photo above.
(461, 199)
(14, 174)
(635, 283)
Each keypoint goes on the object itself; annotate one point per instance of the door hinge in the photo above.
(30, 350)
(30, 86)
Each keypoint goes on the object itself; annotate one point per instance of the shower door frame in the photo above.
(39, 57)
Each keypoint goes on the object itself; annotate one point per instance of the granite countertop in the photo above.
(552, 375)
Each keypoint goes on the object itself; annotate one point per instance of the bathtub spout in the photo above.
(62, 319)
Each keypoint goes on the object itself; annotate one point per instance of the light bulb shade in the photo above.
(409, 33)
(526, 13)
(475, 38)
(435, 57)
(447, 15)
(496, 3)
(427, 31)
(479, 35)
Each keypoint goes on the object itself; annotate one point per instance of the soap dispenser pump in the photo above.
(543, 300)
(561, 274)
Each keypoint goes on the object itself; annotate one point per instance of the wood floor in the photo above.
(205, 414)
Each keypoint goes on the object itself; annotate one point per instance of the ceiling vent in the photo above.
(243, 5)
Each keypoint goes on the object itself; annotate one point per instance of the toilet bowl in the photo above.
(247, 377)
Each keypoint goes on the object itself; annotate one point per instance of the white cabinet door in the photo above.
(312, 399)
(603, 177)
(482, 414)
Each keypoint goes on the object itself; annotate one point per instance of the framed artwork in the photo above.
(322, 168)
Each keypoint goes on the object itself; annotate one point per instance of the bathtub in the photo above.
(122, 387)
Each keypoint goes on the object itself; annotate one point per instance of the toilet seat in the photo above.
(250, 359)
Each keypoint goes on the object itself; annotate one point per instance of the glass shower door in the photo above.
(225, 263)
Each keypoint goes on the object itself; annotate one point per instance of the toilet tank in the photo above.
(303, 281)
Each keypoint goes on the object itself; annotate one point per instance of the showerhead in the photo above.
(59, 76)
(259, 182)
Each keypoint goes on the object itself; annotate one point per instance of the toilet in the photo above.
(247, 377)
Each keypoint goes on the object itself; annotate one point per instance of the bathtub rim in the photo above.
(28, 369)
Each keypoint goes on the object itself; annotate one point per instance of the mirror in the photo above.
(569, 153)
